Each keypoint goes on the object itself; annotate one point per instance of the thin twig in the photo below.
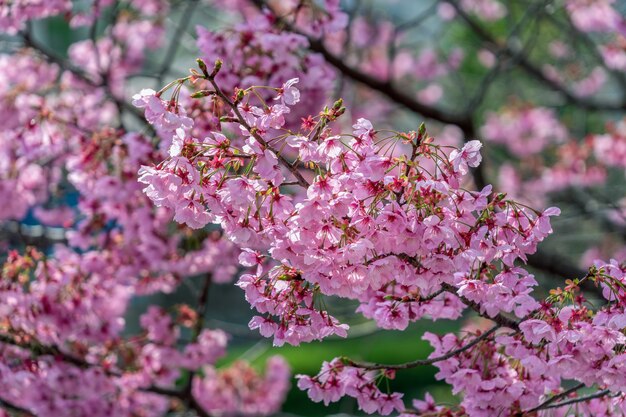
(582, 399)
(424, 362)
(45, 350)
(242, 121)
(14, 408)
(555, 398)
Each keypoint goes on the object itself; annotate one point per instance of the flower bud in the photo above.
(421, 132)
(216, 68)
(203, 67)
(239, 95)
(202, 93)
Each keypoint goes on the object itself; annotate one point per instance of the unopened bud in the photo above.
(203, 67)
(202, 93)
(421, 130)
(499, 197)
(228, 119)
(216, 68)
(239, 95)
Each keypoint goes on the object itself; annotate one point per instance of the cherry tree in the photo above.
(316, 153)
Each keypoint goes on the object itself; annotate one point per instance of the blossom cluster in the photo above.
(76, 362)
(596, 16)
(365, 195)
(337, 379)
(544, 159)
(237, 170)
(257, 53)
(240, 390)
(67, 160)
(342, 237)
(524, 132)
(513, 369)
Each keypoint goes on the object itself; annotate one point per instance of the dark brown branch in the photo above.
(592, 48)
(198, 408)
(589, 206)
(412, 24)
(524, 63)
(557, 265)
(424, 362)
(389, 90)
(554, 398)
(40, 236)
(44, 350)
(201, 310)
(384, 87)
(500, 319)
(164, 391)
(582, 399)
(8, 406)
(492, 75)
(202, 307)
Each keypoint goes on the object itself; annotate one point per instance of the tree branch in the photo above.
(14, 408)
(524, 63)
(554, 398)
(44, 350)
(197, 328)
(423, 362)
(555, 264)
(582, 399)
(384, 87)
